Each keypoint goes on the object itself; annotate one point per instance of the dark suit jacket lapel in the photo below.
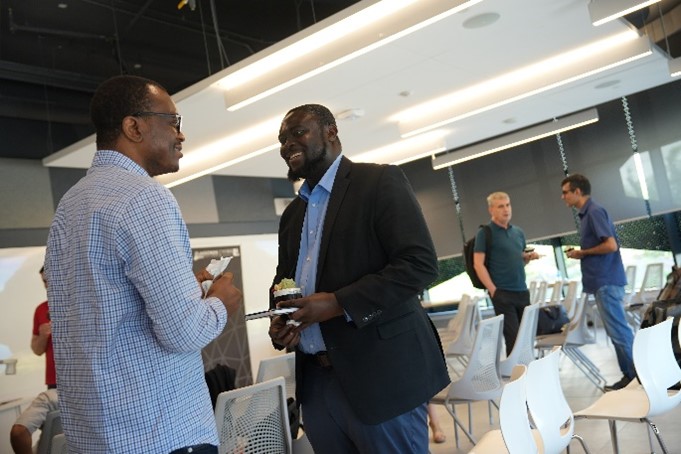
(340, 187)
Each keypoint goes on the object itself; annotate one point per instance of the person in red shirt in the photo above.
(34, 416)
(41, 342)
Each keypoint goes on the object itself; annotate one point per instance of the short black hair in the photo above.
(578, 181)
(321, 113)
(115, 99)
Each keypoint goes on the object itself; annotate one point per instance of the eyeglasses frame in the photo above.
(178, 117)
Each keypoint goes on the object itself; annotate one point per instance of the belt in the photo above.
(320, 359)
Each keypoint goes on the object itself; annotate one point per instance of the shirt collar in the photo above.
(326, 182)
(585, 208)
(105, 158)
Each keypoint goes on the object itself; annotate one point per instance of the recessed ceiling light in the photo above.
(137, 65)
(62, 5)
(481, 20)
(607, 84)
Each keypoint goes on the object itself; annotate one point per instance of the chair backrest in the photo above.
(532, 288)
(59, 444)
(481, 379)
(653, 282)
(513, 418)
(556, 292)
(462, 343)
(656, 366)
(523, 349)
(570, 298)
(279, 366)
(549, 410)
(540, 295)
(578, 332)
(254, 419)
(51, 427)
(630, 272)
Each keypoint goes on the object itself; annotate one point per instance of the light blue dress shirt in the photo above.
(311, 340)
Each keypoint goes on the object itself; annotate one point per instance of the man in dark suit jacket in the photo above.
(367, 356)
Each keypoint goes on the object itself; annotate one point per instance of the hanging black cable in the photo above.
(117, 39)
(457, 204)
(634, 146)
(221, 48)
(205, 41)
(563, 160)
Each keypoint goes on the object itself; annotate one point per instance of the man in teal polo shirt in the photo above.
(504, 275)
(602, 270)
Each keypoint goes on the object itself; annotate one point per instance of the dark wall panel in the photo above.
(531, 174)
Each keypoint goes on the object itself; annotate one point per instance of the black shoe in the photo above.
(624, 381)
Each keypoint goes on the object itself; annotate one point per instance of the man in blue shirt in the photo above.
(367, 356)
(504, 274)
(602, 270)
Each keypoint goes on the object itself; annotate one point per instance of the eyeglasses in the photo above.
(177, 117)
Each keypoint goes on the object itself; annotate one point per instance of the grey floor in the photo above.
(580, 393)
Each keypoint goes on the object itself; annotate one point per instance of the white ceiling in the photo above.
(442, 58)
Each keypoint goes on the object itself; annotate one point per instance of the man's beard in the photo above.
(308, 168)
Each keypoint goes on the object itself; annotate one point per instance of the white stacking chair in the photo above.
(549, 410)
(459, 344)
(574, 335)
(657, 371)
(279, 366)
(480, 380)
(515, 435)
(523, 349)
(254, 419)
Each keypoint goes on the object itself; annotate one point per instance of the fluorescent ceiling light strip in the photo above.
(604, 11)
(641, 175)
(406, 150)
(221, 166)
(675, 67)
(313, 42)
(336, 33)
(224, 152)
(517, 138)
(538, 71)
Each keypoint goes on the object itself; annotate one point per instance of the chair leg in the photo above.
(458, 424)
(613, 436)
(581, 442)
(656, 431)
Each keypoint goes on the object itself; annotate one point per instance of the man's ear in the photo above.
(131, 129)
(332, 133)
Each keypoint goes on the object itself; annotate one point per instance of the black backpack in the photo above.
(469, 250)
